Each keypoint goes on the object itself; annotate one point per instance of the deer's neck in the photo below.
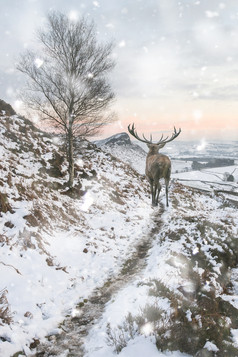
(153, 151)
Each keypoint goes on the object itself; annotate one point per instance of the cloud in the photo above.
(211, 14)
(221, 93)
(165, 51)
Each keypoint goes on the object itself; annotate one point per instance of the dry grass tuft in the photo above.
(4, 204)
(5, 313)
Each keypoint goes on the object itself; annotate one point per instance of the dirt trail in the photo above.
(75, 329)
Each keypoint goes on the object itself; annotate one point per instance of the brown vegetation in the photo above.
(5, 313)
(4, 204)
(6, 109)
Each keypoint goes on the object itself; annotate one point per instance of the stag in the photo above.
(158, 166)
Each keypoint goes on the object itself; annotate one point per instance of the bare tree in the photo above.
(68, 79)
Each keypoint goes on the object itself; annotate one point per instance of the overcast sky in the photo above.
(177, 61)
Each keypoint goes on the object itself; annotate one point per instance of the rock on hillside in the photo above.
(56, 247)
(121, 147)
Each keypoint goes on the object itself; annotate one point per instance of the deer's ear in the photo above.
(149, 145)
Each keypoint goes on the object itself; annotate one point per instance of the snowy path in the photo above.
(74, 329)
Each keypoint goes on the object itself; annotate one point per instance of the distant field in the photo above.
(186, 149)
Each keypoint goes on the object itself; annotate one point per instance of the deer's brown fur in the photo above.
(158, 166)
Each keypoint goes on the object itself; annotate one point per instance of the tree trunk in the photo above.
(71, 158)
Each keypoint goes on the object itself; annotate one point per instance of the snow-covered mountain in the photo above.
(120, 146)
(98, 271)
(120, 139)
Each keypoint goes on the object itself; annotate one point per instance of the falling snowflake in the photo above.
(195, 95)
(147, 329)
(195, 251)
(35, 118)
(211, 14)
(88, 201)
(110, 25)
(96, 4)
(120, 124)
(122, 43)
(202, 145)
(79, 162)
(56, 140)
(222, 5)
(18, 104)
(197, 115)
(73, 15)
(38, 62)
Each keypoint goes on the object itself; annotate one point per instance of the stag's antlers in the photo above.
(162, 140)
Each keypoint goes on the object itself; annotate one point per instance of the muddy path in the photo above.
(70, 342)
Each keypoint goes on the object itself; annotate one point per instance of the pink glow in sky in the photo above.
(176, 61)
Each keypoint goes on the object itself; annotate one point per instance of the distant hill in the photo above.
(117, 139)
(120, 146)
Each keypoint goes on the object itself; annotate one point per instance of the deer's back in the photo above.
(158, 166)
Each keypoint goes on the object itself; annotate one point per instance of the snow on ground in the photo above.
(213, 180)
(56, 249)
(213, 175)
(139, 347)
(194, 227)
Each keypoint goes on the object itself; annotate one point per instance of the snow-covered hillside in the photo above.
(120, 146)
(186, 299)
(97, 271)
(55, 249)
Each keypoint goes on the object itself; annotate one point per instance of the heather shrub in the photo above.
(5, 313)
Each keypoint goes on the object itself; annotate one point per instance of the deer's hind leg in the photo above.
(153, 191)
(157, 192)
(167, 179)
